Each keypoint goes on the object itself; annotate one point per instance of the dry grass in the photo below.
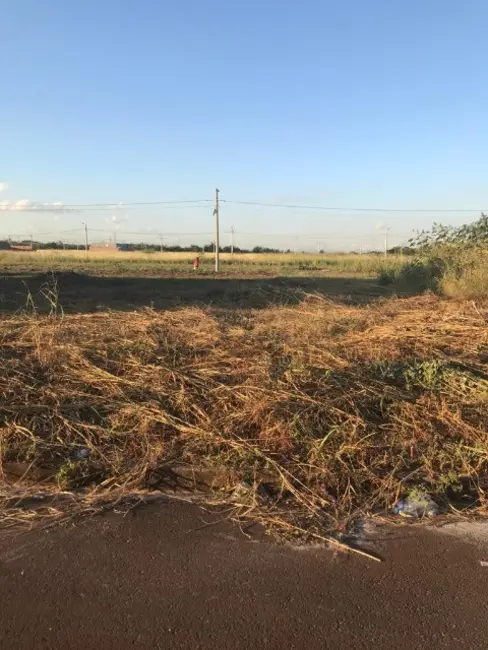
(178, 256)
(72, 255)
(113, 262)
(324, 408)
(470, 283)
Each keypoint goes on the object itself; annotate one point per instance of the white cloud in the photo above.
(24, 205)
(3, 187)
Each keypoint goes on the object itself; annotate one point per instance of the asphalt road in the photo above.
(160, 577)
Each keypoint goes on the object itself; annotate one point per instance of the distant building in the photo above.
(111, 247)
(104, 246)
(4, 246)
(24, 248)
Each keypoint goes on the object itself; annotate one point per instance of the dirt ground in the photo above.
(171, 575)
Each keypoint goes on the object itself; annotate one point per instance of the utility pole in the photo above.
(217, 232)
(232, 240)
(387, 228)
(85, 225)
(115, 238)
(161, 243)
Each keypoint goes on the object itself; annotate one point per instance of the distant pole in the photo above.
(386, 241)
(161, 243)
(232, 240)
(85, 225)
(32, 241)
(115, 239)
(217, 232)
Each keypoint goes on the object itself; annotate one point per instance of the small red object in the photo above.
(196, 264)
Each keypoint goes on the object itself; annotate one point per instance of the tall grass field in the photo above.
(113, 261)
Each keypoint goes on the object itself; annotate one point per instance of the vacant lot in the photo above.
(306, 398)
(71, 281)
(167, 263)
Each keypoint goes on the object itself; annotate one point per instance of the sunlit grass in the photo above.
(333, 409)
(108, 261)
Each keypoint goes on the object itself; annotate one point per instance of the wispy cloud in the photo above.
(3, 187)
(24, 205)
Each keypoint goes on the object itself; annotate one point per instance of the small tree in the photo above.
(471, 234)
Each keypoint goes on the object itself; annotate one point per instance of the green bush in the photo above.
(456, 271)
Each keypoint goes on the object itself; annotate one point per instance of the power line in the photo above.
(42, 234)
(68, 208)
(114, 206)
(151, 234)
(278, 235)
(124, 207)
(46, 207)
(331, 209)
(378, 233)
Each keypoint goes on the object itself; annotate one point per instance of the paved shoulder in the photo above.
(170, 575)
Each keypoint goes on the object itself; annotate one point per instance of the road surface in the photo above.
(160, 577)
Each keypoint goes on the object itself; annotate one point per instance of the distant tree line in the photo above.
(401, 250)
(151, 248)
(206, 248)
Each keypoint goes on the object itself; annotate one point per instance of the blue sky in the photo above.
(342, 104)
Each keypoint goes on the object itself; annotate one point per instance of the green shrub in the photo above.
(387, 276)
(452, 270)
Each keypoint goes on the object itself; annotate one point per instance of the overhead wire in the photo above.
(349, 209)
(46, 207)
(206, 203)
(115, 205)
(149, 234)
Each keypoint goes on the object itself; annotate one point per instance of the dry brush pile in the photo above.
(314, 411)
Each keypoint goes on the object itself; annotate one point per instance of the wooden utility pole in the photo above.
(86, 236)
(232, 240)
(217, 232)
(386, 240)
